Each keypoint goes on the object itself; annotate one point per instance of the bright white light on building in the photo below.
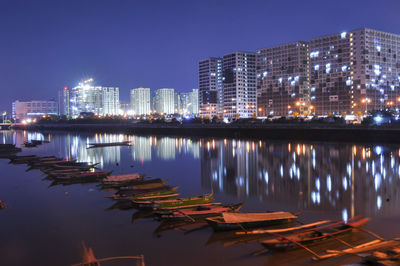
(343, 35)
(314, 54)
(316, 67)
(265, 73)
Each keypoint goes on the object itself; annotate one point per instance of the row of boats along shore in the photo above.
(154, 199)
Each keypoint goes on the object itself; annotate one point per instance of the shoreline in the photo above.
(304, 132)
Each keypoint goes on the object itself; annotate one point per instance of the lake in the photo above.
(45, 225)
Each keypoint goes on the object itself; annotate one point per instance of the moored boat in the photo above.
(309, 236)
(198, 212)
(174, 203)
(234, 221)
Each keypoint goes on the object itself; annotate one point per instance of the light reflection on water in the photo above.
(344, 178)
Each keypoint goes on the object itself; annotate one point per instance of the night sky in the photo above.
(46, 45)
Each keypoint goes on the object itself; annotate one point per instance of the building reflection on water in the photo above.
(142, 148)
(345, 178)
(354, 179)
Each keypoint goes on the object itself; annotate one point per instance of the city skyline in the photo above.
(60, 60)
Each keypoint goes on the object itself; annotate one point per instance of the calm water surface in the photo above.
(45, 225)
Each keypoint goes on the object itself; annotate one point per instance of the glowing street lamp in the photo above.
(366, 101)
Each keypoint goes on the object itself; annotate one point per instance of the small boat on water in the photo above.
(309, 236)
(109, 144)
(143, 184)
(122, 178)
(148, 184)
(234, 221)
(198, 212)
(82, 166)
(89, 175)
(156, 196)
(128, 194)
(174, 203)
(377, 244)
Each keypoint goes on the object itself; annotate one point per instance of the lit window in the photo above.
(316, 67)
(343, 35)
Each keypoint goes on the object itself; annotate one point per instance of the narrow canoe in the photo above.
(234, 221)
(160, 204)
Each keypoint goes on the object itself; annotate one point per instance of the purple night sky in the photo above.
(46, 45)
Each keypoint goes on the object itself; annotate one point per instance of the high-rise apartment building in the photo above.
(64, 103)
(330, 79)
(164, 101)
(140, 101)
(282, 79)
(210, 87)
(239, 84)
(353, 72)
(375, 69)
(95, 99)
(30, 109)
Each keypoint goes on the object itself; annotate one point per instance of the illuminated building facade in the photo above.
(164, 101)
(353, 72)
(282, 79)
(210, 87)
(239, 84)
(95, 99)
(140, 101)
(375, 69)
(30, 109)
(189, 102)
(64, 102)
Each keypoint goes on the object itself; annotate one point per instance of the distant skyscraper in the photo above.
(64, 106)
(96, 99)
(354, 72)
(194, 99)
(140, 101)
(282, 79)
(210, 87)
(30, 109)
(164, 101)
(239, 84)
(189, 102)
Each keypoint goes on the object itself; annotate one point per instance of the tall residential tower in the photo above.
(210, 87)
(282, 79)
(239, 84)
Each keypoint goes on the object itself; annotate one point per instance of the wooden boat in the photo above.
(141, 184)
(199, 212)
(122, 178)
(127, 195)
(99, 145)
(146, 185)
(174, 203)
(312, 235)
(234, 221)
(85, 175)
(282, 230)
(377, 244)
(156, 196)
(75, 166)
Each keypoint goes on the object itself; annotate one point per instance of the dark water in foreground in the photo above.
(45, 225)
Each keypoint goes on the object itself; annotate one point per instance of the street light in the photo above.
(366, 101)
